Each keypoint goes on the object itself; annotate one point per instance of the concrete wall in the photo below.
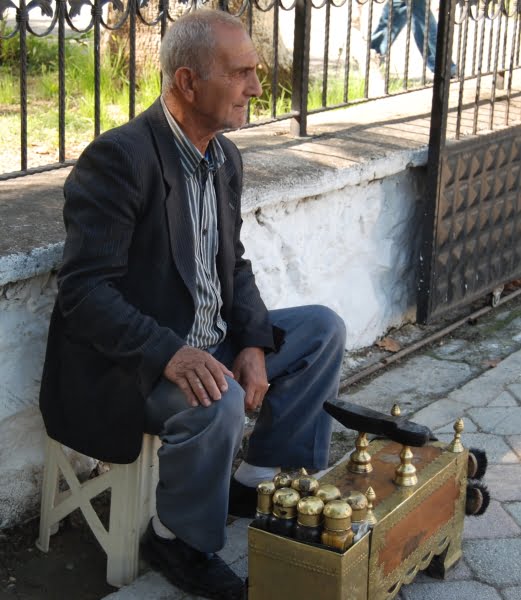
(352, 249)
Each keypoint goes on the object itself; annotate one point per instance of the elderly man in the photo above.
(159, 326)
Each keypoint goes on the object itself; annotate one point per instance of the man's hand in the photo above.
(249, 369)
(199, 375)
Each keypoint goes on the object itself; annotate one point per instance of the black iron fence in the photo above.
(72, 68)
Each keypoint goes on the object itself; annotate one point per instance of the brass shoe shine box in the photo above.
(418, 526)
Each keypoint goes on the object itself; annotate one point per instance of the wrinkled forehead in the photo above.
(234, 47)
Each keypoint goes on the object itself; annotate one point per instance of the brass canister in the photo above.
(309, 519)
(358, 503)
(328, 492)
(282, 480)
(305, 484)
(284, 513)
(265, 491)
(285, 502)
(337, 531)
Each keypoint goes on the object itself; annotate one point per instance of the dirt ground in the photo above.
(73, 569)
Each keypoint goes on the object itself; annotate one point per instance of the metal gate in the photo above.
(472, 220)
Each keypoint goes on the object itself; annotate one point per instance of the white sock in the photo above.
(161, 530)
(251, 475)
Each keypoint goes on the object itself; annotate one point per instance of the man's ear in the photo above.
(184, 82)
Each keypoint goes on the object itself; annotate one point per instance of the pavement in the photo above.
(474, 373)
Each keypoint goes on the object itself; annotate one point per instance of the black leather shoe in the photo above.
(190, 570)
(242, 500)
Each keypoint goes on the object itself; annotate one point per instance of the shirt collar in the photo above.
(191, 158)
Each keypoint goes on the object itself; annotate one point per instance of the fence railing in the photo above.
(70, 69)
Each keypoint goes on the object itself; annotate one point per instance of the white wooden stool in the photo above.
(132, 504)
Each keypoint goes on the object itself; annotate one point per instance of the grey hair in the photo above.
(190, 42)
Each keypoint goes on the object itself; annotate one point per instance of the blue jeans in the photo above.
(379, 37)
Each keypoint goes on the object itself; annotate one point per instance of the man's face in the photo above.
(221, 101)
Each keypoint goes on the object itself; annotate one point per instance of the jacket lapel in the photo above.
(182, 243)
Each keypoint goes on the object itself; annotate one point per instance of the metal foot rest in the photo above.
(132, 504)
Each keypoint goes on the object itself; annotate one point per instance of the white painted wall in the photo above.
(25, 308)
(351, 248)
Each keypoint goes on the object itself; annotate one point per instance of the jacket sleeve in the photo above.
(103, 202)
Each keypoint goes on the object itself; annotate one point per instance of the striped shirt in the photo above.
(208, 327)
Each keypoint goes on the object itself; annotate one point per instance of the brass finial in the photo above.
(395, 411)
(456, 445)
(360, 459)
(405, 473)
(371, 497)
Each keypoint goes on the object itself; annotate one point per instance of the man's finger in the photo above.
(187, 391)
(249, 399)
(209, 382)
(218, 371)
(198, 388)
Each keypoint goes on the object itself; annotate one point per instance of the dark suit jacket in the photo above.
(125, 302)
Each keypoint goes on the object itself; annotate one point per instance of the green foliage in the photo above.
(262, 107)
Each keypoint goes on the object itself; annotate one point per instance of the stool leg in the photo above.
(49, 489)
(124, 526)
(149, 480)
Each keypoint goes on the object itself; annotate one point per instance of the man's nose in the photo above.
(255, 88)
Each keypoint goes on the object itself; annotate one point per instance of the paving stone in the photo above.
(496, 522)
(484, 389)
(443, 590)
(503, 482)
(236, 546)
(515, 443)
(414, 384)
(514, 508)
(439, 413)
(151, 586)
(512, 593)
(494, 561)
(498, 451)
(503, 421)
(241, 567)
(504, 399)
(515, 390)
(450, 348)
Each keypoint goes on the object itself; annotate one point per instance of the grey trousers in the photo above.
(292, 430)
